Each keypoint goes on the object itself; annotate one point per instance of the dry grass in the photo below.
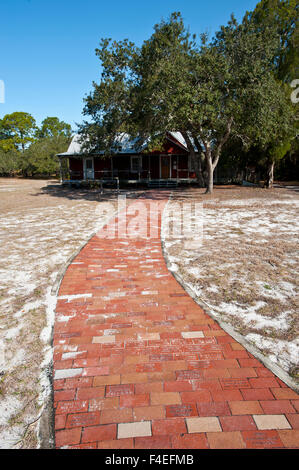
(245, 266)
(41, 226)
(245, 269)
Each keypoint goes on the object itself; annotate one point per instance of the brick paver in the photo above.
(138, 364)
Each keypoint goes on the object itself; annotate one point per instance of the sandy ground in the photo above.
(41, 226)
(243, 263)
(244, 267)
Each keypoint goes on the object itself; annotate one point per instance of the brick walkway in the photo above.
(138, 364)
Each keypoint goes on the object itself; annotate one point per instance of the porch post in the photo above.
(160, 166)
(60, 170)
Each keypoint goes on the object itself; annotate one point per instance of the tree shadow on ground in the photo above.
(181, 193)
(110, 193)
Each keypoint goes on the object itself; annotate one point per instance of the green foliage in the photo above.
(9, 162)
(17, 131)
(40, 158)
(274, 142)
(209, 91)
(53, 127)
(281, 15)
(277, 152)
(27, 150)
(110, 103)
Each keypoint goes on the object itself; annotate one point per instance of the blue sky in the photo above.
(47, 59)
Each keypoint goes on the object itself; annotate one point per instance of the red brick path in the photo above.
(138, 364)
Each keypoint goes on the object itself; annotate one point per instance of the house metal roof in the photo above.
(124, 144)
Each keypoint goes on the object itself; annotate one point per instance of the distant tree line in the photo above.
(29, 150)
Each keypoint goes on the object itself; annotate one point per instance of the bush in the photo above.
(9, 162)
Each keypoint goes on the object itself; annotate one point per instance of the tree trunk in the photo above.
(195, 161)
(270, 175)
(212, 157)
(197, 168)
(210, 174)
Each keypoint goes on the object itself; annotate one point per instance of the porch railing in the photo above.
(125, 174)
(110, 175)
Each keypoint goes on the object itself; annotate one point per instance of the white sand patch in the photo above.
(286, 353)
(12, 333)
(51, 300)
(252, 317)
(281, 291)
(10, 437)
(35, 244)
(13, 360)
(196, 271)
(213, 289)
(8, 407)
(291, 200)
(27, 307)
(245, 271)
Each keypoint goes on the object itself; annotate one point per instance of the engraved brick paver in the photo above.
(262, 439)
(138, 364)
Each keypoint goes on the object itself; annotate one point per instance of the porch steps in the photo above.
(162, 184)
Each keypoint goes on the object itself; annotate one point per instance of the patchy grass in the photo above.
(41, 226)
(245, 269)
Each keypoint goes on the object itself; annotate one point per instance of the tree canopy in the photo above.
(29, 150)
(53, 127)
(283, 16)
(209, 90)
(17, 130)
(40, 158)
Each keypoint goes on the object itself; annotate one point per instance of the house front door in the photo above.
(165, 167)
(89, 169)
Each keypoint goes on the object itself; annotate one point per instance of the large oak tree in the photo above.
(207, 90)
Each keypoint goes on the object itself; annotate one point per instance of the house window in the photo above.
(136, 164)
(88, 164)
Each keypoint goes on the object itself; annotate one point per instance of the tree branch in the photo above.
(222, 142)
